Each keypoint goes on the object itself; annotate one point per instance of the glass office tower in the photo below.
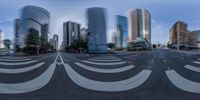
(122, 31)
(97, 30)
(34, 23)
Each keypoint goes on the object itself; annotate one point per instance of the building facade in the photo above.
(194, 39)
(34, 24)
(55, 39)
(84, 34)
(17, 27)
(114, 38)
(1, 39)
(122, 31)
(139, 24)
(71, 33)
(181, 38)
(179, 29)
(97, 42)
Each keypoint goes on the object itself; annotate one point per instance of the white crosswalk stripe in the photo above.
(101, 70)
(14, 59)
(28, 86)
(98, 63)
(17, 63)
(123, 85)
(183, 83)
(196, 62)
(193, 68)
(21, 70)
(105, 60)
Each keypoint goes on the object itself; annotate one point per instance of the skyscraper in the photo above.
(71, 32)
(1, 39)
(122, 31)
(139, 25)
(55, 39)
(97, 30)
(17, 26)
(34, 23)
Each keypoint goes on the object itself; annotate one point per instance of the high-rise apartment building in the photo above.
(139, 23)
(71, 33)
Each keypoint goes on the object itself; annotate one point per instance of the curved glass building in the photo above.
(34, 23)
(97, 30)
(122, 31)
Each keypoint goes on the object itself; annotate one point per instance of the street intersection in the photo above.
(160, 74)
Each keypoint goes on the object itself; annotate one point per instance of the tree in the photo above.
(7, 43)
(77, 44)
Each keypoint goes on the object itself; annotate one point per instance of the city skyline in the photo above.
(162, 19)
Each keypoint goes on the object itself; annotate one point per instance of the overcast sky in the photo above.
(164, 14)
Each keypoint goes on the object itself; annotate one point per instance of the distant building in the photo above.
(55, 39)
(139, 23)
(84, 34)
(71, 33)
(97, 30)
(62, 48)
(1, 40)
(194, 39)
(179, 28)
(182, 38)
(122, 31)
(17, 27)
(54, 42)
(34, 23)
(114, 38)
(51, 41)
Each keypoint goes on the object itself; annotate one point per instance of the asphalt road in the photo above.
(159, 74)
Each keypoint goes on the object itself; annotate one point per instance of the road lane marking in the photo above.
(4, 53)
(104, 60)
(183, 83)
(11, 57)
(18, 63)
(96, 63)
(101, 70)
(29, 86)
(193, 68)
(123, 85)
(196, 62)
(14, 59)
(20, 70)
(59, 63)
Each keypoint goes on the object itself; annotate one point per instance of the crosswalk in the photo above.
(183, 83)
(87, 83)
(115, 86)
(27, 86)
(100, 65)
